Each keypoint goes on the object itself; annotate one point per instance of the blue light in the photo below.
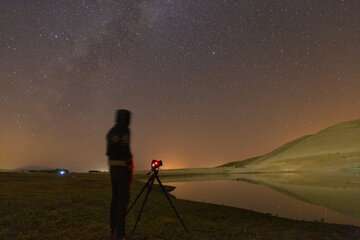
(62, 172)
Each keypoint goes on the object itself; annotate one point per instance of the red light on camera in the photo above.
(156, 163)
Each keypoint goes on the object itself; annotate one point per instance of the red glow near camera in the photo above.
(155, 164)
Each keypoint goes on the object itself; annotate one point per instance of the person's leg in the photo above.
(123, 201)
(114, 202)
(121, 217)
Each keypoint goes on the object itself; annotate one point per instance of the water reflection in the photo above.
(334, 199)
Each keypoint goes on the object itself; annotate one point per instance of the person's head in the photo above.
(123, 117)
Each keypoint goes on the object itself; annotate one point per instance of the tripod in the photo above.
(149, 185)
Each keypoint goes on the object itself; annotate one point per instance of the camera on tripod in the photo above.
(155, 164)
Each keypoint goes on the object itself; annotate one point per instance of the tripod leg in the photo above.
(138, 196)
(177, 214)
(142, 207)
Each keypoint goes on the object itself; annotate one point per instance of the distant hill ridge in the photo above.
(336, 147)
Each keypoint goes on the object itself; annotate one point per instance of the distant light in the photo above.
(213, 53)
(62, 172)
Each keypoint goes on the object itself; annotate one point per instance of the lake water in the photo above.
(265, 199)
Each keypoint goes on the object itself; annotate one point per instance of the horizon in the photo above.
(36, 167)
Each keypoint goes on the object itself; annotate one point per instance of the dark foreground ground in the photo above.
(49, 207)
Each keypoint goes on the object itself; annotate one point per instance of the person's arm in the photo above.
(107, 142)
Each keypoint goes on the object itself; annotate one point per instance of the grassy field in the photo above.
(46, 206)
(335, 149)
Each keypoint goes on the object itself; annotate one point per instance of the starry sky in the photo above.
(208, 82)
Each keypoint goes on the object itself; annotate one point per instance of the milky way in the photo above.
(208, 82)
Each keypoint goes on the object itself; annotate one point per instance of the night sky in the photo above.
(208, 82)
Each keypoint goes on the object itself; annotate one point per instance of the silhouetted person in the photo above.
(121, 166)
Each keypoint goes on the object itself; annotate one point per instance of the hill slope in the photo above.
(332, 149)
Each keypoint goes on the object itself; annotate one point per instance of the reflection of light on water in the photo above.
(257, 198)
